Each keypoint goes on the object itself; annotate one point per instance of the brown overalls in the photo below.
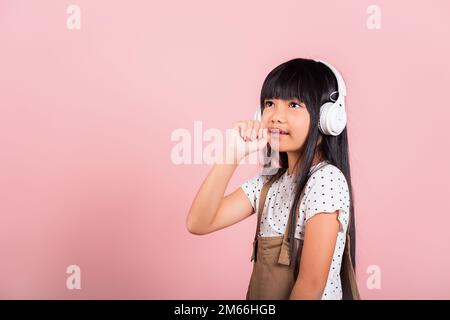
(273, 275)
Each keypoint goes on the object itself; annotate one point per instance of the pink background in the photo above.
(86, 116)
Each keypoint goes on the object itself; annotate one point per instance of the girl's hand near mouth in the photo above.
(246, 138)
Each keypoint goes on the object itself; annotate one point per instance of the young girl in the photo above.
(304, 209)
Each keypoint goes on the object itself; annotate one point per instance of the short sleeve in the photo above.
(328, 192)
(252, 189)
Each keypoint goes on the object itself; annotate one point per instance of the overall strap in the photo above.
(284, 257)
(348, 277)
(262, 201)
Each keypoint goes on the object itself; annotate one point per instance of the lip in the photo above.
(275, 134)
(279, 131)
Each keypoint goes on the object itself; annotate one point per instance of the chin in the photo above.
(283, 148)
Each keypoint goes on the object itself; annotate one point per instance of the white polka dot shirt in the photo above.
(326, 191)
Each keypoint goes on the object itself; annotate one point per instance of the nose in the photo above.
(279, 115)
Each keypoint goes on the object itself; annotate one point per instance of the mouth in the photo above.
(278, 131)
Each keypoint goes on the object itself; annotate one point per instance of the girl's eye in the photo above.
(270, 104)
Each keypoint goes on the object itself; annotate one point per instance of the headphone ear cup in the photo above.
(338, 119)
(333, 118)
(323, 121)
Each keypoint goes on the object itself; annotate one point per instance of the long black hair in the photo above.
(311, 82)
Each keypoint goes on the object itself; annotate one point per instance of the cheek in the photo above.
(301, 129)
(299, 136)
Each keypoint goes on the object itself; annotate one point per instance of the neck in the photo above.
(297, 156)
(294, 167)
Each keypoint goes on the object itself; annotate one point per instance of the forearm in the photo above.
(207, 201)
(306, 291)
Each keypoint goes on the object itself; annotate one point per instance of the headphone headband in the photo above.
(340, 80)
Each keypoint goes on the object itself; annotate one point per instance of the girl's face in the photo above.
(292, 117)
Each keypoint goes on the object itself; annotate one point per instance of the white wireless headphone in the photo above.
(333, 117)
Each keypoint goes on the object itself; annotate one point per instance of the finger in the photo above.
(255, 130)
(260, 133)
(248, 133)
(262, 142)
(240, 127)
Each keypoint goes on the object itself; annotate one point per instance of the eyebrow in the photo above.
(290, 100)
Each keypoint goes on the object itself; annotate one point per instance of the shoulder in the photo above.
(256, 181)
(328, 175)
(252, 188)
(327, 191)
